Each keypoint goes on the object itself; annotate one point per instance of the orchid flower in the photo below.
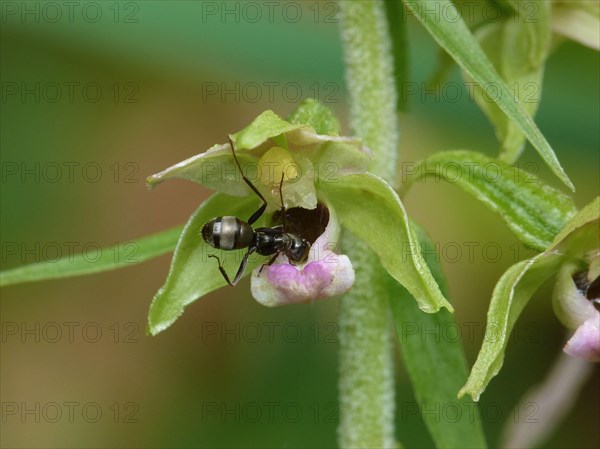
(325, 187)
(576, 303)
(574, 257)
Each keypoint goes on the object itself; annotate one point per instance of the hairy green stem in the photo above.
(370, 81)
(366, 381)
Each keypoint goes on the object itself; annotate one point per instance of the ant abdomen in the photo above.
(228, 233)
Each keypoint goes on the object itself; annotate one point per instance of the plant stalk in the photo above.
(366, 382)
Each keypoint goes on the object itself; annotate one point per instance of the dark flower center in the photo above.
(591, 290)
(308, 224)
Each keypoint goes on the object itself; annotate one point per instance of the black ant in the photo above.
(230, 233)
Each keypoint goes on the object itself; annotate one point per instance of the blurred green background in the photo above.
(98, 95)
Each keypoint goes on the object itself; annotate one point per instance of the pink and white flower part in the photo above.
(323, 275)
(576, 302)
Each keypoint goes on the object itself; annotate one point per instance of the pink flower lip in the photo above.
(585, 342)
(282, 283)
(576, 304)
(325, 274)
(314, 277)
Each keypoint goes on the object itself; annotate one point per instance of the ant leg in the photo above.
(240, 271)
(221, 269)
(256, 215)
(242, 267)
(282, 205)
(269, 263)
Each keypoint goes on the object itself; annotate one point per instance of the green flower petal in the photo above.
(317, 156)
(570, 305)
(578, 20)
(264, 127)
(319, 117)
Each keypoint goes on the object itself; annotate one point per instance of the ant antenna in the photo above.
(282, 205)
(235, 156)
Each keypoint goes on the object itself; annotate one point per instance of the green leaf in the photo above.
(436, 363)
(477, 13)
(519, 283)
(370, 209)
(454, 36)
(518, 48)
(111, 258)
(320, 117)
(534, 211)
(193, 274)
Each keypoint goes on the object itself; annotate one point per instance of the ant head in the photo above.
(299, 249)
(306, 247)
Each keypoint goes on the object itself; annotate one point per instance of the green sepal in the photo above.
(511, 294)
(192, 273)
(370, 209)
(215, 169)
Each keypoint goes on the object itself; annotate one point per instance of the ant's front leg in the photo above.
(269, 263)
(256, 215)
